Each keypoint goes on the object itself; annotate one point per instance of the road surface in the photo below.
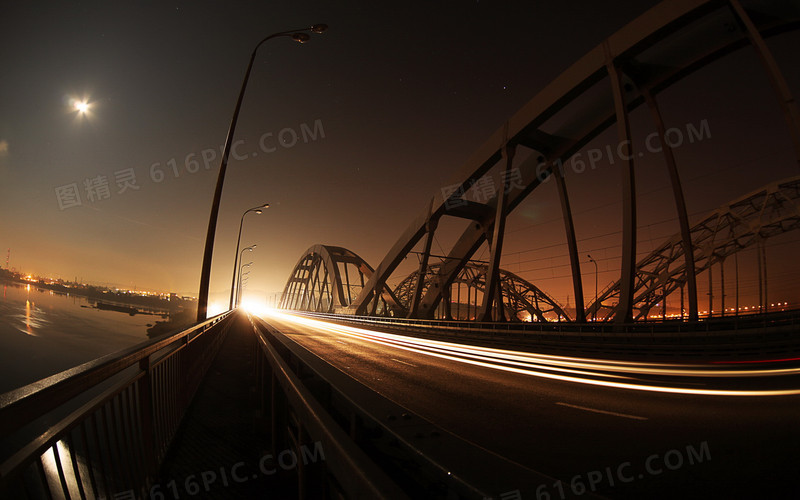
(610, 430)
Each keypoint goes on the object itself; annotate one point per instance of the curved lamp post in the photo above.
(259, 211)
(300, 36)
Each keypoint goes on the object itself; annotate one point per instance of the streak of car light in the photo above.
(532, 364)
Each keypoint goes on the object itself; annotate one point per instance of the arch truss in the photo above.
(628, 70)
(327, 279)
(769, 211)
(522, 301)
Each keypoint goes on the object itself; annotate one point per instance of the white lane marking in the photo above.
(409, 364)
(624, 415)
(339, 341)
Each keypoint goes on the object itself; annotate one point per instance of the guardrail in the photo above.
(296, 414)
(728, 323)
(102, 428)
(773, 334)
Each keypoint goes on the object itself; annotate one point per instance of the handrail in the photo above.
(101, 428)
(20, 405)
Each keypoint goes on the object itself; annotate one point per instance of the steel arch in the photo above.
(665, 44)
(766, 212)
(522, 300)
(322, 281)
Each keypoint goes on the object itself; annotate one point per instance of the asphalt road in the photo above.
(615, 442)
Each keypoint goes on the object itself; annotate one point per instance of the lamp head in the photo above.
(259, 212)
(319, 28)
(301, 37)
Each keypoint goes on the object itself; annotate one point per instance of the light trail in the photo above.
(563, 368)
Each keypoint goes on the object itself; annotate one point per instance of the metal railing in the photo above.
(297, 417)
(665, 328)
(773, 334)
(102, 428)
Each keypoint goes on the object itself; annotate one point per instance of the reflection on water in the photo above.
(43, 333)
(28, 327)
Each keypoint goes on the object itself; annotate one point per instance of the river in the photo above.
(43, 332)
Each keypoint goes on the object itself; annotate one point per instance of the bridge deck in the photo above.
(219, 431)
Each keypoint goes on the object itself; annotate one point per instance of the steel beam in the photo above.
(493, 291)
(776, 78)
(430, 228)
(680, 204)
(628, 263)
(572, 245)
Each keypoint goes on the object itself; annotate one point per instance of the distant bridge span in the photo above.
(327, 279)
(522, 300)
(771, 210)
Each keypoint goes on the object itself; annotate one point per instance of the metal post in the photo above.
(205, 274)
(766, 290)
(458, 302)
(430, 228)
(776, 78)
(760, 288)
(680, 205)
(572, 245)
(710, 291)
(594, 304)
(493, 269)
(146, 414)
(736, 268)
(624, 313)
(241, 254)
(722, 284)
(238, 241)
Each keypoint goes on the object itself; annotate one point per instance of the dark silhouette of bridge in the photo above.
(445, 384)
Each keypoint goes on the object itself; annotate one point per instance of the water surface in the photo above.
(43, 332)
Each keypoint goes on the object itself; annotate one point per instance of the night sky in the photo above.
(393, 100)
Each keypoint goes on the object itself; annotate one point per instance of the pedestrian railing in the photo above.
(100, 430)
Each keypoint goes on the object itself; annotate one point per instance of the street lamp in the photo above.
(241, 255)
(242, 278)
(594, 304)
(259, 211)
(241, 289)
(300, 36)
